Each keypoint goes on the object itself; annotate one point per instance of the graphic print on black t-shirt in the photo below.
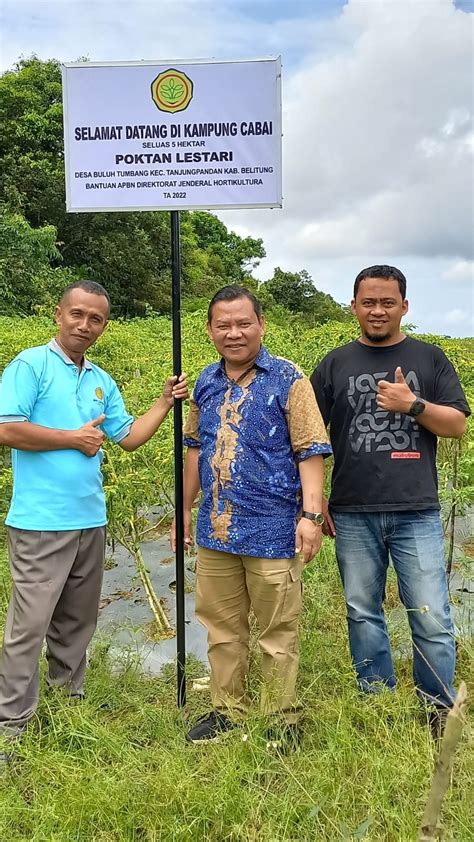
(374, 429)
(383, 461)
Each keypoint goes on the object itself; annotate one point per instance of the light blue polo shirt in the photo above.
(57, 490)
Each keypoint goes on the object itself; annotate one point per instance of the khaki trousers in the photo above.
(57, 579)
(226, 586)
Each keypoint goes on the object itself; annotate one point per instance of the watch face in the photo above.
(417, 408)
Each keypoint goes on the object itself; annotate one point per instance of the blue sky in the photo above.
(377, 164)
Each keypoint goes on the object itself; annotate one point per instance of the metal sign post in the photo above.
(178, 462)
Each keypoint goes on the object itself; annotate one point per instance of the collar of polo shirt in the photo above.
(54, 346)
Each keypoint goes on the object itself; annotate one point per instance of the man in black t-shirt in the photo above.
(386, 397)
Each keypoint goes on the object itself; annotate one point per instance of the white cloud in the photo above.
(356, 158)
(457, 316)
(115, 30)
(378, 151)
(462, 271)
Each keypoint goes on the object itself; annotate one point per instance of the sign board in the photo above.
(172, 136)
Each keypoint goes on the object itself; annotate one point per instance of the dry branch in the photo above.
(132, 544)
(454, 724)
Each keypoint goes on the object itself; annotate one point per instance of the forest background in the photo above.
(43, 248)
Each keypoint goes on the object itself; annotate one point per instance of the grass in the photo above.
(116, 767)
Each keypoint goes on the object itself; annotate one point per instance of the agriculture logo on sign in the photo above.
(172, 91)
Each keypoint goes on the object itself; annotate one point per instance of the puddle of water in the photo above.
(461, 589)
(125, 613)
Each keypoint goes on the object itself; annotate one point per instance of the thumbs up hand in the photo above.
(89, 438)
(399, 378)
(397, 396)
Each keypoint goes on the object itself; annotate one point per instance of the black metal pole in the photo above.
(178, 462)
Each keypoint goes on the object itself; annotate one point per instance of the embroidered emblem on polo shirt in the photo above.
(99, 393)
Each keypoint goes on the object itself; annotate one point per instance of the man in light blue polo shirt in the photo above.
(56, 408)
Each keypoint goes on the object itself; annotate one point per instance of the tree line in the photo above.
(43, 248)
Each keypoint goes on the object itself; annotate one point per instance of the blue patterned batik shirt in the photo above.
(252, 433)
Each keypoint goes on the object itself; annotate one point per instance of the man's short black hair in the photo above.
(231, 293)
(88, 286)
(390, 273)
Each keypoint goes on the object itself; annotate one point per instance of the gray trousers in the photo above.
(57, 579)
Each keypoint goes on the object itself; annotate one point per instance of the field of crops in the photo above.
(116, 768)
(138, 354)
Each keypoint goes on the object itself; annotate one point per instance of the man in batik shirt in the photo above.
(256, 443)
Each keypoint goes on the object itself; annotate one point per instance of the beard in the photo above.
(378, 337)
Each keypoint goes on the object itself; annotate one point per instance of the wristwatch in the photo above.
(317, 517)
(418, 406)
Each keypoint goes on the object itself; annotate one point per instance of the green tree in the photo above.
(128, 252)
(31, 142)
(293, 290)
(26, 275)
(296, 292)
(229, 256)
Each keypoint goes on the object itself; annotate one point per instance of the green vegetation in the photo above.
(117, 768)
(138, 353)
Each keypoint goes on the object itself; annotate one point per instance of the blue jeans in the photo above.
(414, 541)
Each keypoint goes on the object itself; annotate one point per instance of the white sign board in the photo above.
(171, 136)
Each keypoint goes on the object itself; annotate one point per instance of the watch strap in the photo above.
(316, 517)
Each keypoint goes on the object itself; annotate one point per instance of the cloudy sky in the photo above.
(377, 122)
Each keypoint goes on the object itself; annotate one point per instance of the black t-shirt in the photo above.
(383, 461)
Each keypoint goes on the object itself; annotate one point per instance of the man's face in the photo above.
(81, 319)
(379, 308)
(236, 331)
